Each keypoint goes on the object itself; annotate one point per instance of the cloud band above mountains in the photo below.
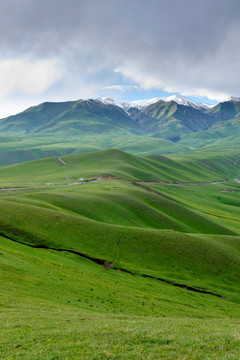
(189, 47)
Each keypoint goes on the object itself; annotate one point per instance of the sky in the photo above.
(59, 50)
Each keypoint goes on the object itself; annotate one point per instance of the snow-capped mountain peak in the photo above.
(234, 99)
(181, 100)
(141, 104)
(109, 101)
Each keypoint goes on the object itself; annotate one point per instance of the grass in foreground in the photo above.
(51, 332)
(119, 316)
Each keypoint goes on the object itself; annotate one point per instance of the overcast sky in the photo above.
(56, 50)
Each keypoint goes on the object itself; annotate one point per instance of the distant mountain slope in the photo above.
(34, 117)
(227, 110)
(81, 116)
(169, 119)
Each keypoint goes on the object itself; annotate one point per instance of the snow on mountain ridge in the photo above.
(142, 104)
(126, 105)
(181, 100)
(233, 98)
(109, 101)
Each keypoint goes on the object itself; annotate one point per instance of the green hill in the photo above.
(67, 169)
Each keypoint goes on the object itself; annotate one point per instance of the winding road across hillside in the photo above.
(160, 182)
(98, 179)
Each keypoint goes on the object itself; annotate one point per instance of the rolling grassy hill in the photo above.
(35, 146)
(84, 264)
(198, 167)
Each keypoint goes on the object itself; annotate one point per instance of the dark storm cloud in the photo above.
(186, 46)
(157, 22)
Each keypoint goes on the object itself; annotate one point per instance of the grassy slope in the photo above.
(142, 249)
(55, 305)
(26, 148)
(31, 147)
(120, 164)
(122, 221)
(219, 202)
(123, 204)
(109, 212)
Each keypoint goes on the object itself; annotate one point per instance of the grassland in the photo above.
(58, 305)
(22, 148)
(68, 169)
(17, 148)
(169, 287)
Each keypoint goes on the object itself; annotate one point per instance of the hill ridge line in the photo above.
(108, 265)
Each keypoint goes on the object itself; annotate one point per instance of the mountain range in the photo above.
(141, 104)
(170, 118)
(144, 127)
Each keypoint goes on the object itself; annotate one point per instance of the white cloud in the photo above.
(144, 80)
(121, 87)
(180, 82)
(27, 77)
(211, 95)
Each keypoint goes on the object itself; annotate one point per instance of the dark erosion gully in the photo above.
(109, 265)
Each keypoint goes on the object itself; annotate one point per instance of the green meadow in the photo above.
(140, 260)
(17, 147)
